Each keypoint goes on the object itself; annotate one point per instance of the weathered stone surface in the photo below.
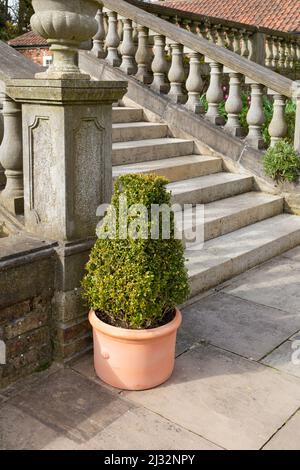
(230, 401)
(285, 358)
(15, 65)
(147, 431)
(237, 325)
(67, 143)
(275, 284)
(71, 405)
(288, 437)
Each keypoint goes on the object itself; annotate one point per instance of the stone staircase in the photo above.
(242, 227)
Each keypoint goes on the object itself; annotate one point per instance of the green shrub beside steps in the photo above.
(136, 282)
(281, 162)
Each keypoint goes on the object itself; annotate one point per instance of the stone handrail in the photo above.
(274, 49)
(169, 59)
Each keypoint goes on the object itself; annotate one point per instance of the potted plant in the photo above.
(134, 281)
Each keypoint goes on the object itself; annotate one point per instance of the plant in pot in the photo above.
(134, 280)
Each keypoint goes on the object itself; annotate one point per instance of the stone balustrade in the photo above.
(276, 50)
(172, 64)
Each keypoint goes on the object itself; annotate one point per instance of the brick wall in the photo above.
(26, 291)
(35, 54)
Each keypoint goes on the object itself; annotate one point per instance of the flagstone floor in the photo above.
(236, 383)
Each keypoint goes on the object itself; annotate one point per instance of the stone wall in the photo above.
(26, 291)
(42, 315)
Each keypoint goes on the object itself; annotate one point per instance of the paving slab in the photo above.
(72, 405)
(276, 284)
(286, 358)
(139, 429)
(288, 437)
(235, 324)
(21, 431)
(231, 401)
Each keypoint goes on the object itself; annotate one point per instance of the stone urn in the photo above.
(65, 24)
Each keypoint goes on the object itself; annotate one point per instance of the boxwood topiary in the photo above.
(136, 282)
(281, 162)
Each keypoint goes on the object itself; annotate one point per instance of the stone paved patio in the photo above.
(234, 385)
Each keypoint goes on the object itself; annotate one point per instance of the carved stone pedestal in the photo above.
(67, 175)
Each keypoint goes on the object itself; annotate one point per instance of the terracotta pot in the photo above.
(134, 359)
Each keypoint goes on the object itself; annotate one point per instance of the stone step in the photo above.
(138, 131)
(125, 114)
(205, 189)
(154, 149)
(175, 169)
(230, 214)
(224, 257)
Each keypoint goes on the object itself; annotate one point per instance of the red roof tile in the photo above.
(27, 40)
(281, 15)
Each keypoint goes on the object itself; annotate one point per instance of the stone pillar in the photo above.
(67, 175)
(11, 156)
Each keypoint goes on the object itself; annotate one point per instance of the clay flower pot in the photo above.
(134, 359)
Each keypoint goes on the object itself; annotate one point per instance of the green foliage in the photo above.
(290, 115)
(281, 162)
(136, 281)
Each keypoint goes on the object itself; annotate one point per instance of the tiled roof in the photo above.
(282, 15)
(27, 40)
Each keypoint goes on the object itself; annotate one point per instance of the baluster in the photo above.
(135, 36)
(298, 55)
(105, 20)
(120, 27)
(142, 56)
(234, 104)
(127, 49)
(203, 31)
(275, 53)
(294, 56)
(255, 116)
(278, 126)
(112, 40)
(98, 39)
(194, 84)
(281, 54)
(214, 94)
(210, 32)
(251, 46)
(244, 45)
(176, 74)
(11, 156)
(236, 41)
(269, 52)
(288, 56)
(160, 66)
(230, 39)
(220, 36)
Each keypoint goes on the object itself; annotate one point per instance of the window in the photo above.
(47, 60)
